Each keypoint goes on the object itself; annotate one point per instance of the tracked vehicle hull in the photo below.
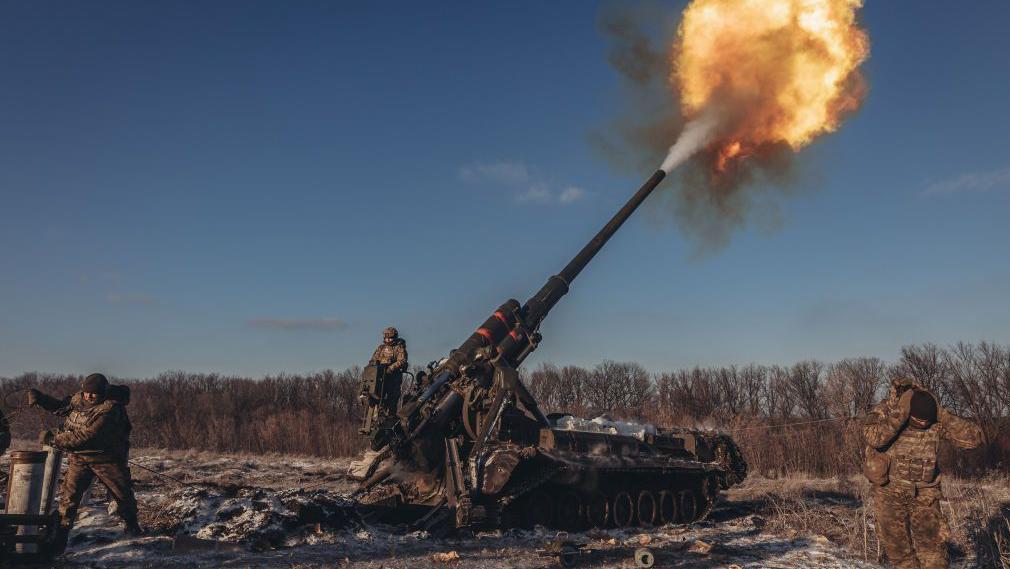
(576, 480)
(601, 480)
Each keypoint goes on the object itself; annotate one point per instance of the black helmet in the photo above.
(923, 406)
(95, 383)
(390, 333)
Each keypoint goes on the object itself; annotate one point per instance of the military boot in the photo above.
(133, 529)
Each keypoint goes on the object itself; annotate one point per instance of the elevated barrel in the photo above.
(537, 307)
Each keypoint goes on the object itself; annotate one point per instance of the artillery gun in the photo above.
(474, 450)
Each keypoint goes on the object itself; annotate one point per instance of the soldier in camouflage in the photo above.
(392, 355)
(903, 434)
(392, 352)
(96, 434)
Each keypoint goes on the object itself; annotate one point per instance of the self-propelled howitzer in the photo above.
(474, 448)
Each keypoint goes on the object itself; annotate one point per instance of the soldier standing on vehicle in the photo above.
(392, 356)
(903, 434)
(392, 352)
(96, 433)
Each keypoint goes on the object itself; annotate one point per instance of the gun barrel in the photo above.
(500, 328)
(540, 304)
(575, 266)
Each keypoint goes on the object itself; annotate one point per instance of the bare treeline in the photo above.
(313, 414)
(803, 418)
(800, 418)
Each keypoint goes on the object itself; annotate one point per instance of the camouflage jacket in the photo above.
(93, 432)
(394, 356)
(899, 452)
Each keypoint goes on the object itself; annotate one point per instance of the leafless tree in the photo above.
(752, 379)
(780, 400)
(924, 364)
(544, 384)
(806, 382)
(571, 389)
(620, 386)
(973, 382)
(854, 385)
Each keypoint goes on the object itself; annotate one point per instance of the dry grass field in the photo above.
(841, 510)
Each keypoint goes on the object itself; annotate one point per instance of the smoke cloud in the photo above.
(650, 119)
(756, 83)
(637, 138)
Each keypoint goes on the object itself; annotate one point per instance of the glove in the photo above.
(46, 438)
(898, 414)
(33, 397)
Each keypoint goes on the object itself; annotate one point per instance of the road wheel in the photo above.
(646, 508)
(623, 510)
(687, 506)
(597, 511)
(667, 507)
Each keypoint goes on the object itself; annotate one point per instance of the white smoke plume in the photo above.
(696, 134)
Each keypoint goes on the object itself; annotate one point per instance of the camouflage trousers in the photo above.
(911, 526)
(80, 474)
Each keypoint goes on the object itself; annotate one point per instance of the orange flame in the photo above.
(726, 153)
(781, 71)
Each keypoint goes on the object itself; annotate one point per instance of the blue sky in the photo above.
(256, 187)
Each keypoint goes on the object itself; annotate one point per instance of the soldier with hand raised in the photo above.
(903, 434)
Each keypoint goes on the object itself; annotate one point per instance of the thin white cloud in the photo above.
(971, 182)
(131, 298)
(536, 193)
(298, 324)
(571, 194)
(528, 187)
